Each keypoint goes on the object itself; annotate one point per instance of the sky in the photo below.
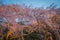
(33, 3)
